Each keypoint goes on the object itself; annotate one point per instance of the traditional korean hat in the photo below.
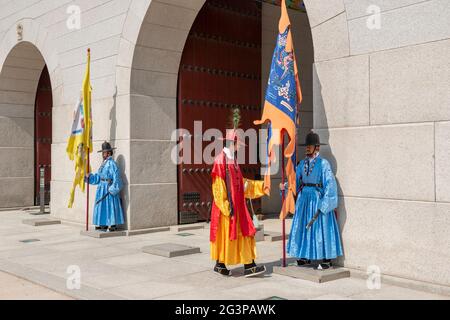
(231, 134)
(106, 146)
(312, 139)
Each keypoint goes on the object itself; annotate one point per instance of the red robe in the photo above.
(238, 199)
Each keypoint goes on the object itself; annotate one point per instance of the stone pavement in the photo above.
(116, 268)
(13, 288)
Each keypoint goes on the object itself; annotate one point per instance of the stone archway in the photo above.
(19, 80)
(152, 72)
(23, 56)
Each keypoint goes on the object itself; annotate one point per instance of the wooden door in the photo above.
(43, 134)
(220, 70)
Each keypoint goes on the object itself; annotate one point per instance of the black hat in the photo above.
(312, 139)
(106, 146)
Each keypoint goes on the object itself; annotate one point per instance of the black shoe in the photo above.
(254, 271)
(101, 228)
(303, 262)
(222, 270)
(112, 229)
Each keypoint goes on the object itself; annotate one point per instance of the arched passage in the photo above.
(155, 66)
(153, 104)
(23, 73)
(220, 71)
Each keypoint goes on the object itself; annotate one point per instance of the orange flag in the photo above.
(283, 97)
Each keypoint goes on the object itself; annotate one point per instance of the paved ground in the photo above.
(115, 268)
(13, 288)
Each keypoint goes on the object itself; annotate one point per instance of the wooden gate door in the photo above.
(43, 134)
(220, 70)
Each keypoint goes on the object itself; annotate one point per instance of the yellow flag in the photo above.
(87, 105)
(80, 141)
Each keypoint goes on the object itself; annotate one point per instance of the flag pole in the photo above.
(283, 198)
(87, 169)
(87, 191)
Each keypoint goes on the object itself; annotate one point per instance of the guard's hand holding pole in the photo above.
(284, 186)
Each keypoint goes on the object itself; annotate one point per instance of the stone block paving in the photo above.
(14, 288)
(116, 268)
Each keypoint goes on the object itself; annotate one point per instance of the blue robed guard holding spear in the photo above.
(315, 234)
(108, 213)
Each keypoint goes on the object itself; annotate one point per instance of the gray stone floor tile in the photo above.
(116, 268)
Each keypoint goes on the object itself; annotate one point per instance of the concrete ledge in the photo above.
(30, 210)
(305, 273)
(145, 231)
(187, 227)
(41, 222)
(274, 236)
(36, 210)
(38, 213)
(170, 250)
(102, 234)
(404, 283)
(12, 209)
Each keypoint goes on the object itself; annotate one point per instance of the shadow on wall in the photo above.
(121, 162)
(124, 195)
(327, 153)
(113, 118)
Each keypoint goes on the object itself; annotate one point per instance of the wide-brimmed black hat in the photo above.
(312, 139)
(106, 146)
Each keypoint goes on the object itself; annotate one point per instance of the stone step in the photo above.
(102, 234)
(147, 231)
(38, 213)
(41, 222)
(274, 236)
(310, 274)
(170, 250)
(186, 227)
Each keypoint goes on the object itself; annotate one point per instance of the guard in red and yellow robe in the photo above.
(232, 231)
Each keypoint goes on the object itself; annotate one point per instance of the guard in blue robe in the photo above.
(317, 199)
(108, 213)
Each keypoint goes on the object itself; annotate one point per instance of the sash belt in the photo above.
(315, 185)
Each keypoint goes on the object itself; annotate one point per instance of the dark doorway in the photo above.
(43, 134)
(220, 70)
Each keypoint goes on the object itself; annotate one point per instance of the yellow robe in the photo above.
(243, 249)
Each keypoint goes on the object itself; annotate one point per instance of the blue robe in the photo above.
(107, 212)
(322, 240)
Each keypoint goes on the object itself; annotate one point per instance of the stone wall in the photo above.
(381, 100)
(64, 51)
